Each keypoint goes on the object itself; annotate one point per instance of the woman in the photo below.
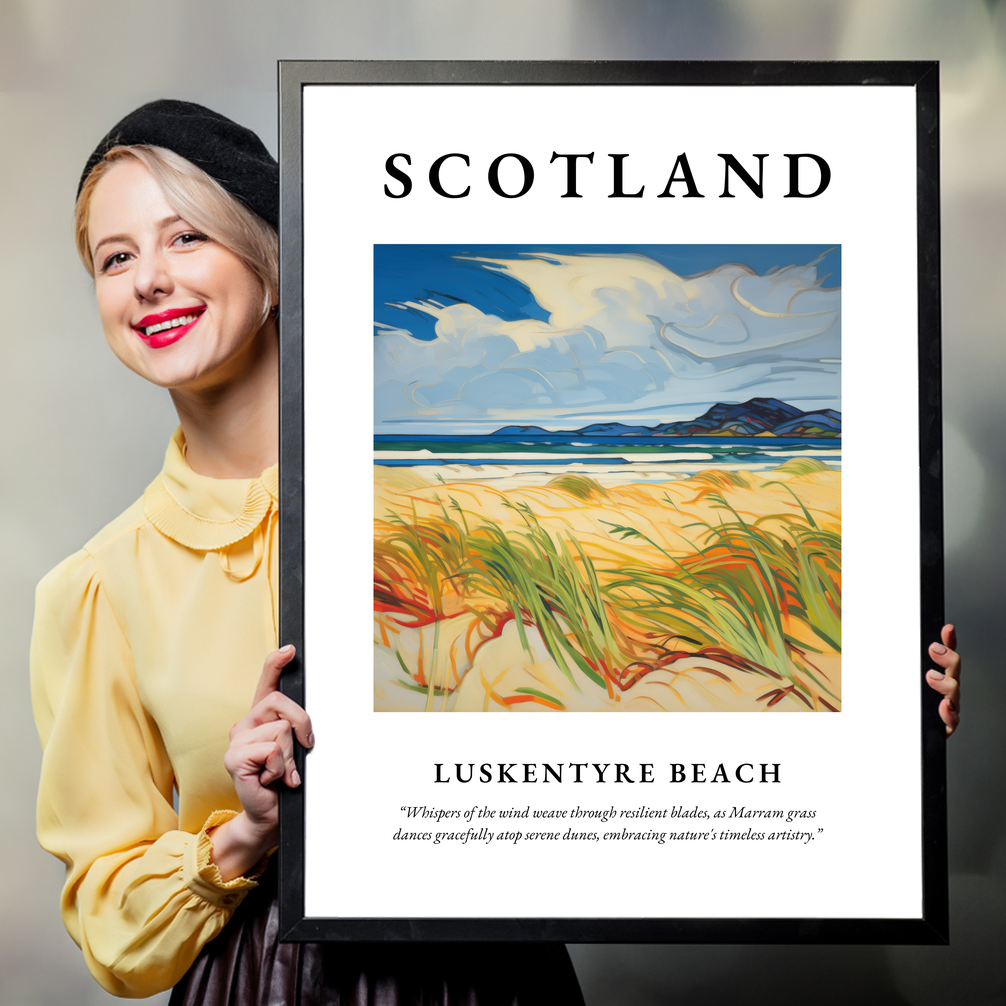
(148, 643)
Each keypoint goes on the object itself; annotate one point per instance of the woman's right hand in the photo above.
(260, 753)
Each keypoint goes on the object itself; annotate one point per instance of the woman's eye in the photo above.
(114, 261)
(190, 238)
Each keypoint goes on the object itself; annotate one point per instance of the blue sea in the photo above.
(679, 456)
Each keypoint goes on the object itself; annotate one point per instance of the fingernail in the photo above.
(310, 740)
(295, 777)
(936, 675)
(938, 648)
(287, 649)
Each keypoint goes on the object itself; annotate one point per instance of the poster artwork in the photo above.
(607, 478)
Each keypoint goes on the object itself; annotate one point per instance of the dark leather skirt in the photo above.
(246, 965)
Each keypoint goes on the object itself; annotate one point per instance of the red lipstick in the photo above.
(166, 329)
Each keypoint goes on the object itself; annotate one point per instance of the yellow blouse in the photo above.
(147, 647)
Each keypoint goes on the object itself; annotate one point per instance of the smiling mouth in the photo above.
(185, 319)
(167, 327)
(167, 321)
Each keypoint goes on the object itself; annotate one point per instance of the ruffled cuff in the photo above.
(203, 878)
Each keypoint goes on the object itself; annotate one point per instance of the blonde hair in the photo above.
(199, 200)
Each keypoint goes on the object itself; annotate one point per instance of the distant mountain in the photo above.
(520, 431)
(614, 430)
(828, 421)
(765, 417)
(759, 416)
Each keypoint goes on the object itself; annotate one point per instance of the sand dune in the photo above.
(471, 656)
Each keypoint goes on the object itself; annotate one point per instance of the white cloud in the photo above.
(626, 339)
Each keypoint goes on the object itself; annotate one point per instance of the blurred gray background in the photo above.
(82, 437)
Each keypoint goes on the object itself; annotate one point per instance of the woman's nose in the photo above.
(152, 277)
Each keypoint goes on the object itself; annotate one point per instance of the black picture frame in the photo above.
(932, 925)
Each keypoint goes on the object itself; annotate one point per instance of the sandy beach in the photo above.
(500, 589)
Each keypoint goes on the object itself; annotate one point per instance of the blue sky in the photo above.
(468, 338)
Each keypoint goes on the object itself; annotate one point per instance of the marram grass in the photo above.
(757, 596)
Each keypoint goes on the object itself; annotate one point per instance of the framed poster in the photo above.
(633, 340)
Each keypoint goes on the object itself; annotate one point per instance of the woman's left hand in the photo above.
(948, 681)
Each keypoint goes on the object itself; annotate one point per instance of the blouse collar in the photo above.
(204, 513)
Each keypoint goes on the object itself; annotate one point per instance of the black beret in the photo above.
(230, 154)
